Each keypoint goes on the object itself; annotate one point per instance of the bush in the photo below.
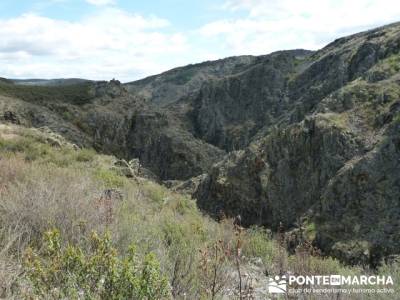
(214, 268)
(156, 193)
(84, 155)
(306, 264)
(15, 145)
(173, 228)
(96, 273)
(110, 178)
(37, 148)
(182, 247)
(258, 243)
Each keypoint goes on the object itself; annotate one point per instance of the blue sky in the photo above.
(185, 14)
(128, 40)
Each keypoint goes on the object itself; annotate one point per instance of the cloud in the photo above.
(101, 2)
(269, 25)
(114, 43)
(111, 43)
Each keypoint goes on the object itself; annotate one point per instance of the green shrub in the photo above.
(184, 205)
(109, 178)
(16, 145)
(37, 152)
(258, 243)
(156, 193)
(66, 115)
(32, 149)
(181, 262)
(84, 155)
(307, 259)
(93, 273)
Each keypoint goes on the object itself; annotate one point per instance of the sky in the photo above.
(132, 39)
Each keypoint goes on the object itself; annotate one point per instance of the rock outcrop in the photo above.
(278, 139)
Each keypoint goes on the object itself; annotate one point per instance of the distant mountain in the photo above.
(49, 82)
(307, 141)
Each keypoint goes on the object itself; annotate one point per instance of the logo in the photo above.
(309, 284)
(335, 280)
(277, 285)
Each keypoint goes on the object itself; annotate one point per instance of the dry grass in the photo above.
(11, 170)
(35, 198)
(10, 269)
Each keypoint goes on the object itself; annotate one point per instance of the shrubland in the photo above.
(73, 228)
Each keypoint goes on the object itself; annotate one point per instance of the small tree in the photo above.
(213, 268)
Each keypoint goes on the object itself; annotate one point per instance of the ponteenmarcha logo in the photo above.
(280, 284)
(341, 280)
(277, 285)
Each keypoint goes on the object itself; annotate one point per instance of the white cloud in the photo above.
(114, 43)
(101, 2)
(111, 43)
(270, 25)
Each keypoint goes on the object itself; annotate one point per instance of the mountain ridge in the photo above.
(298, 138)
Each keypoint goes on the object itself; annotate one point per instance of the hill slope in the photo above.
(306, 139)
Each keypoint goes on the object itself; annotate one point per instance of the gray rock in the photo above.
(123, 168)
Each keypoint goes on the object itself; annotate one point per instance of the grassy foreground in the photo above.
(71, 227)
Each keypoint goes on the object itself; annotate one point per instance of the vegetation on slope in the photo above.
(74, 93)
(71, 227)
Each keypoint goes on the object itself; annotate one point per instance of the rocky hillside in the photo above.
(331, 163)
(308, 141)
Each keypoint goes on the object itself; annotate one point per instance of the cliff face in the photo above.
(334, 160)
(230, 111)
(306, 139)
